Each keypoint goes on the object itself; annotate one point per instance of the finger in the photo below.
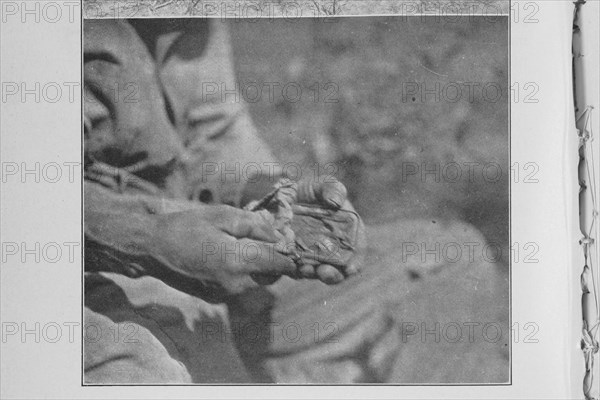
(263, 258)
(356, 262)
(330, 192)
(333, 193)
(329, 274)
(247, 224)
(353, 267)
(307, 271)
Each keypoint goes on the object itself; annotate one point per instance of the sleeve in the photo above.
(119, 229)
(126, 115)
(223, 146)
(121, 236)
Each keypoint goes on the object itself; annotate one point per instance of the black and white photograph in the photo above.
(318, 200)
(289, 199)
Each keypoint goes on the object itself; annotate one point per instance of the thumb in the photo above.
(247, 224)
(265, 259)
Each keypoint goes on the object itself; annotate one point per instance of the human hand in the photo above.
(223, 246)
(330, 193)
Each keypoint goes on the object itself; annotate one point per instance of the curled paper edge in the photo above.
(588, 217)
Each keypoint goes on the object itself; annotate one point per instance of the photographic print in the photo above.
(320, 196)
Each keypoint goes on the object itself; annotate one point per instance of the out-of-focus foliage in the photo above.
(378, 132)
(373, 133)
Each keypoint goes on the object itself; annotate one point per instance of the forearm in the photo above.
(126, 234)
(122, 231)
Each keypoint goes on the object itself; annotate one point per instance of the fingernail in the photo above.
(332, 278)
(334, 203)
(307, 271)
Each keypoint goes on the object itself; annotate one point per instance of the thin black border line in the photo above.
(269, 385)
(81, 154)
(510, 265)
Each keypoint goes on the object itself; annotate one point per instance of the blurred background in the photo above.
(377, 97)
(423, 163)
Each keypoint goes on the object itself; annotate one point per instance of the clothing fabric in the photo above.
(152, 133)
